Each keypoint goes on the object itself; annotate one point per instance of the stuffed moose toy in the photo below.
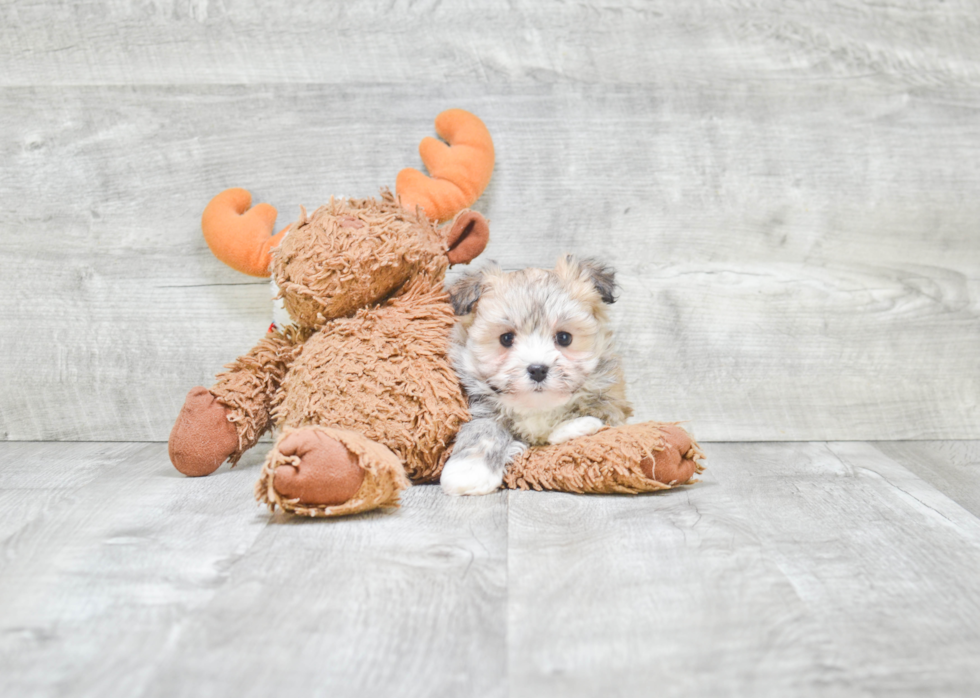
(359, 385)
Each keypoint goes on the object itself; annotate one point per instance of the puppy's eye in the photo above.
(507, 339)
(563, 339)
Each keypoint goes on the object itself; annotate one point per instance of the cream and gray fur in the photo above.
(534, 352)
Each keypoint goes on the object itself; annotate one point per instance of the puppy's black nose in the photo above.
(538, 372)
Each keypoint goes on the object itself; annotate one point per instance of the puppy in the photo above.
(534, 353)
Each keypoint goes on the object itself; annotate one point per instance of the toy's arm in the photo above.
(248, 385)
(222, 423)
(627, 459)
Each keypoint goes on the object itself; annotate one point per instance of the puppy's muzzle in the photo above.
(538, 372)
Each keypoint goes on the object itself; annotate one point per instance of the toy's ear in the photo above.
(467, 237)
(601, 276)
(467, 290)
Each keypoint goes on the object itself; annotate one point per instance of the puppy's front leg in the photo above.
(573, 428)
(481, 454)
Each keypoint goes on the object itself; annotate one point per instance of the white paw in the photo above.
(573, 428)
(469, 475)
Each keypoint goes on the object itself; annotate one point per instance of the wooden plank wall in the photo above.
(788, 189)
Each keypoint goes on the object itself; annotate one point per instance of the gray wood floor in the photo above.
(789, 192)
(833, 568)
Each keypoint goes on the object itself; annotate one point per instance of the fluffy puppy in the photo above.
(534, 353)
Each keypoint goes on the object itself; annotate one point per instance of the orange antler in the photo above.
(238, 236)
(460, 171)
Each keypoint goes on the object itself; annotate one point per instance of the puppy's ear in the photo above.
(466, 291)
(601, 276)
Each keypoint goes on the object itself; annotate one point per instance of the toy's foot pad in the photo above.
(676, 463)
(319, 469)
(202, 437)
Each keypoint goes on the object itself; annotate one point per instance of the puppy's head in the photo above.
(532, 337)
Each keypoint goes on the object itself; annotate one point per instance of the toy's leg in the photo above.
(202, 437)
(318, 471)
(628, 459)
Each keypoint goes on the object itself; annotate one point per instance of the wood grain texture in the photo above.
(885, 561)
(788, 191)
(952, 467)
(624, 595)
(787, 273)
(122, 577)
(793, 569)
(115, 548)
(805, 569)
(503, 41)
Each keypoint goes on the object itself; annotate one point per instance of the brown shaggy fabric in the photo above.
(384, 477)
(327, 267)
(365, 280)
(367, 369)
(610, 461)
(384, 373)
(248, 384)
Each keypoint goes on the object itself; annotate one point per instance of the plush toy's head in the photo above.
(357, 252)
(352, 253)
